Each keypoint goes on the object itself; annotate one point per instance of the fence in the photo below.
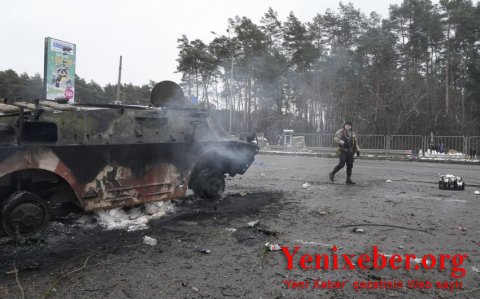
(396, 144)
(317, 140)
(401, 144)
(372, 143)
(472, 146)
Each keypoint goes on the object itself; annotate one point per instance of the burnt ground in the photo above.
(409, 215)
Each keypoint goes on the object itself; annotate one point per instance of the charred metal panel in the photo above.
(36, 159)
(116, 186)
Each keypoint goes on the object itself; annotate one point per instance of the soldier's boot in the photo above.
(349, 181)
(331, 176)
(349, 177)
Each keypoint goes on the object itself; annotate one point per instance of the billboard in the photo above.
(59, 69)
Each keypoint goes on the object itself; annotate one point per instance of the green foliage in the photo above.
(414, 72)
(198, 64)
(14, 86)
(29, 88)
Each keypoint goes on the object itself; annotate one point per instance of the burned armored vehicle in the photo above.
(106, 156)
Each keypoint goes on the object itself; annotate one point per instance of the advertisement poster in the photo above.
(59, 69)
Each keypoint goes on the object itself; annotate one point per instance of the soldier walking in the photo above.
(346, 141)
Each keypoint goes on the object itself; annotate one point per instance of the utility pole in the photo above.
(119, 81)
(232, 105)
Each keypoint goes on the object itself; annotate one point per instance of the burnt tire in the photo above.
(24, 214)
(208, 184)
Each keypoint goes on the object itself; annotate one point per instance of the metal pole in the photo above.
(232, 102)
(119, 80)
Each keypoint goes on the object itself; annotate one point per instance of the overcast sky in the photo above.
(144, 32)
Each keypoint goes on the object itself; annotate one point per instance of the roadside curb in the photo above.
(381, 158)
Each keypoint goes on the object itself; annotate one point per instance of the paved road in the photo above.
(407, 216)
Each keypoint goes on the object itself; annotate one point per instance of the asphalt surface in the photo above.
(395, 206)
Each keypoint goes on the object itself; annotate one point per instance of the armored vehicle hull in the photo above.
(98, 157)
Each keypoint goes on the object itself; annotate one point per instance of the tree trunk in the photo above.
(196, 81)
(447, 72)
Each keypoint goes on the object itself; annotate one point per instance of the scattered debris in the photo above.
(388, 181)
(266, 231)
(306, 185)
(202, 250)
(401, 247)
(253, 223)
(477, 192)
(149, 241)
(63, 275)
(272, 247)
(450, 181)
(195, 289)
(322, 213)
(15, 271)
(462, 228)
(262, 175)
(243, 193)
(231, 229)
(475, 269)
(358, 230)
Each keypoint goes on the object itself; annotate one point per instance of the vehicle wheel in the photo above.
(24, 214)
(208, 184)
(463, 186)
